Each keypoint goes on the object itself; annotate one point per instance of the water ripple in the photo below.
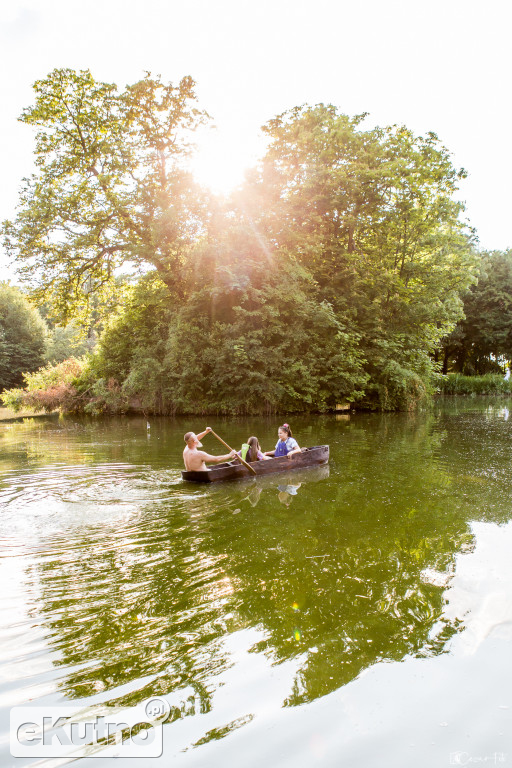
(121, 582)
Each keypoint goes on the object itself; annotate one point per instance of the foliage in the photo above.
(372, 216)
(482, 340)
(22, 336)
(48, 389)
(109, 188)
(64, 342)
(396, 389)
(270, 350)
(127, 365)
(332, 274)
(490, 384)
(245, 346)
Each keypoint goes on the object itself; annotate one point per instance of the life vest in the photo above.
(245, 448)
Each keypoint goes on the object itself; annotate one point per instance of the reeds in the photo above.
(490, 384)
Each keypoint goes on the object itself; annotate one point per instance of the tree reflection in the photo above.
(143, 603)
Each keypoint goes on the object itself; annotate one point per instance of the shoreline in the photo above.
(7, 414)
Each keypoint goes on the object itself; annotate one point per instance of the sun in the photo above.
(222, 157)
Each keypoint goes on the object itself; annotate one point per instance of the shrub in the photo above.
(50, 388)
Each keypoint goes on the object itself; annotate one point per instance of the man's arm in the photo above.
(202, 434)
(206, 457)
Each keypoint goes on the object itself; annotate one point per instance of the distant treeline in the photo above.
(339, 271)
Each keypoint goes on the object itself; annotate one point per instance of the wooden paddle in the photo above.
(237, 456)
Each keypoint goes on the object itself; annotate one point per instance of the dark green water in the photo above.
(353, 615)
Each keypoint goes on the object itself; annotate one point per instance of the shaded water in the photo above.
(355, 614)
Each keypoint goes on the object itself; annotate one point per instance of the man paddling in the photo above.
(195, 459)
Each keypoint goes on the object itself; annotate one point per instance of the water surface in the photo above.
(355, 614)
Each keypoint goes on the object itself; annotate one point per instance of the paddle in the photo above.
(230, 449)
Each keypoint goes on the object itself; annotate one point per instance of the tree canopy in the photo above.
(110, 187)
(373, 216)
(332, 274)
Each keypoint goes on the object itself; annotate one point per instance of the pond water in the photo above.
(358, 614)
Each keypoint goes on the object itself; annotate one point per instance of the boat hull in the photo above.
(308, 457)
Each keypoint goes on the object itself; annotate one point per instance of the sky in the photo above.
(441, 66)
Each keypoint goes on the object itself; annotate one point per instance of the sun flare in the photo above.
(222, 158)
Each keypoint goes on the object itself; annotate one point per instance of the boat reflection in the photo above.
(288, 486)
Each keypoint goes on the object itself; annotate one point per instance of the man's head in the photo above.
(191, 440)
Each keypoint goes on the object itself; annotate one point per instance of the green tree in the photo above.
(334, 273)
(372, 216)
(109, 187)
(127, 369)
(482, 341)
(22, 336)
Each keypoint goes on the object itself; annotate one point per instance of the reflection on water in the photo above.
(286, 493)
(287, 484)
(121, 582)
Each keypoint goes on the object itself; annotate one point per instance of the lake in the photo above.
(358, 614)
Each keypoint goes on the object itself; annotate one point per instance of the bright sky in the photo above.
(442, 66)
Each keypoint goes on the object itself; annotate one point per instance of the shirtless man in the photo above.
(194, 459)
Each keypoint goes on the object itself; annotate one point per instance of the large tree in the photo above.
(109, 188)
(373, 215)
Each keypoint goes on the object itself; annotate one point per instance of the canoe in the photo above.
(232, 470)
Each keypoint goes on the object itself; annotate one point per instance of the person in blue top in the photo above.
(286, 445)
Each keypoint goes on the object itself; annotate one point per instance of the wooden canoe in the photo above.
(232, 470)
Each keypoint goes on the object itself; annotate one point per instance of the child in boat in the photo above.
(286, 444)
(251, 450)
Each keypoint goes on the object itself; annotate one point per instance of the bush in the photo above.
(264, 349)
(48, 389)
(399, 389)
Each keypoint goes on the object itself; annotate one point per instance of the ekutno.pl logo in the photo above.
(62, 731)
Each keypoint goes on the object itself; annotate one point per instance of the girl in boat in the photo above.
(286, 445)
(251, 450)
